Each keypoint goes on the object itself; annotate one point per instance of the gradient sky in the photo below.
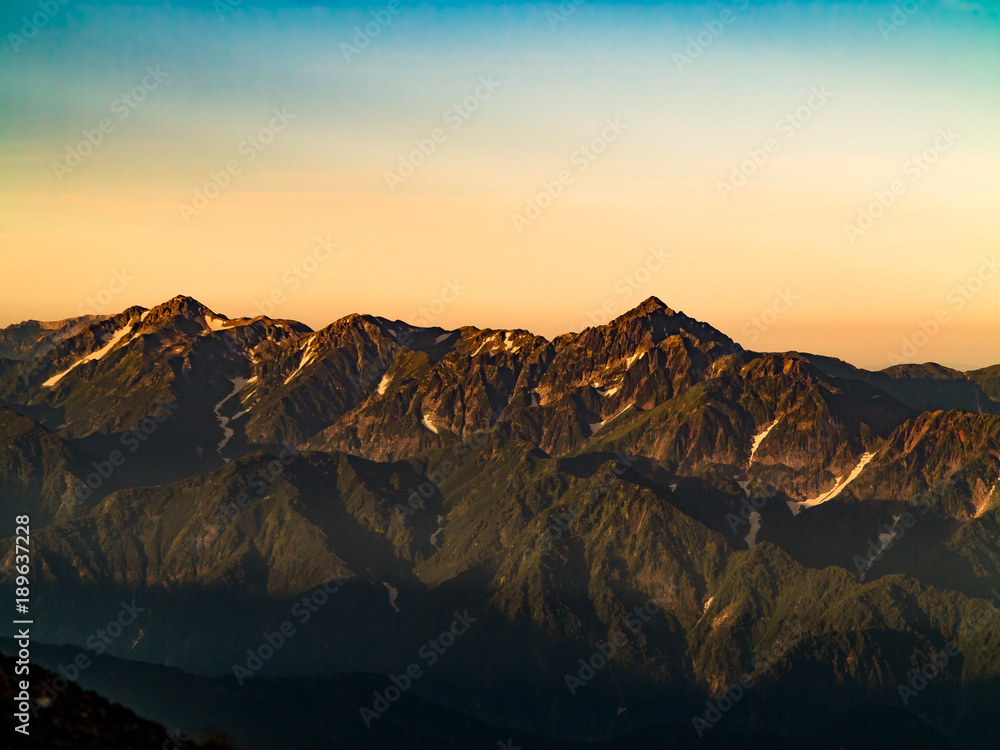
(561, 77)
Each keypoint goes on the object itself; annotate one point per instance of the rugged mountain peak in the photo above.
(186, 307)
(367, 327)
(654, 318)
(181, 314)
(372, 323)
(649, 306)
(650, 313)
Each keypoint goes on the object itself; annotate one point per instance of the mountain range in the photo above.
(635, 534)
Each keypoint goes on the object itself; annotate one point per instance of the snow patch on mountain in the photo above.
(436, 534)
(759, 438)
(426, 422)
(598, 425)
(841, 483)
(393, 593)
(384, 383)
(227, 432)
(214, 324)
(239, 414)
(138, 638)
(92, 357)
(309, 354)
(493, 341)
(986, 500)
(885, 540)
(637, 356)
(497, 342)
(484, 343)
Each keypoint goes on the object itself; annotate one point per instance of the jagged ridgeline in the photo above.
(629, 521)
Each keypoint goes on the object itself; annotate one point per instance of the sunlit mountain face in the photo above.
(457, 375)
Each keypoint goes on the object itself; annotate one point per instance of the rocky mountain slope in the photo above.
(647, 484)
